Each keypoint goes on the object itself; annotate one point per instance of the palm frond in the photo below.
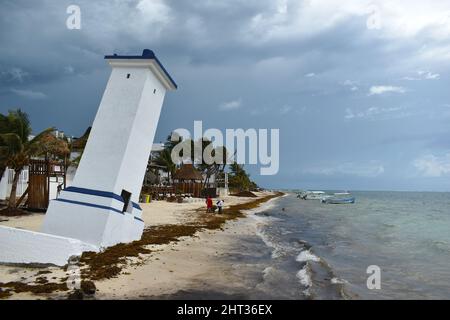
(12, 143)
(19, 123)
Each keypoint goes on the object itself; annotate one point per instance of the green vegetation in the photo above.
(17, 149)
(239, 179)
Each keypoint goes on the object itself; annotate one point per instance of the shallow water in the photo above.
(322, 251)
(308, 250)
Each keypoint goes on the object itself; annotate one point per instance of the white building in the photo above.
(101, 208)
(7, 180)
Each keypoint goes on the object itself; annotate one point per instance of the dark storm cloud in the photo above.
(300, 66)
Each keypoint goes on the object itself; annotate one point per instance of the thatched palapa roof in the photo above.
(48, 143)
(80, 143)
(187, 172)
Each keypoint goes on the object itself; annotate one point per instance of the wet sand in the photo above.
(196, 266)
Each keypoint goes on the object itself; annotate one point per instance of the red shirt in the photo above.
(209, 203)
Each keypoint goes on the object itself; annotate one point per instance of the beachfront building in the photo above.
(221, 183)
(6, 182)
(188, 180)
(155, 173)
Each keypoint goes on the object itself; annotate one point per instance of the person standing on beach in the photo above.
(220, 205)
(209, 204)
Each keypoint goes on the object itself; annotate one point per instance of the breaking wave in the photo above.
(306, 256)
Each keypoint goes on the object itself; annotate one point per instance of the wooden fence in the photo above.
(40, 172)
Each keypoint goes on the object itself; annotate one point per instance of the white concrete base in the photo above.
(93, 217)
(24, 246)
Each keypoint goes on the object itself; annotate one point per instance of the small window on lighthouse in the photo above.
(128, 76)
(127, 204)
(154, 91)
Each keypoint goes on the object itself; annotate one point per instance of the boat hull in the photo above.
(339, 201)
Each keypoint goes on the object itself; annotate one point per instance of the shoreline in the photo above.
(196, 267)
(182, 251)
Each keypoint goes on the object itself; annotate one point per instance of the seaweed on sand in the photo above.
(19, 287)
(109, 263)
(44, 272)
(13, 212)
(245, 194)
(5, 294)
(88, 287)
(41, 280)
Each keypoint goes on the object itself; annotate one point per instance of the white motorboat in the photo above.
(313, 195)
(339, 198)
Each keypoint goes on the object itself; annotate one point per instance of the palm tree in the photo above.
(3, 129)
(2, 170)
(213, 168)
(16, 149)
(2, 166)
(164, 159)
(8, 123)
(15, 122)
(239, 178)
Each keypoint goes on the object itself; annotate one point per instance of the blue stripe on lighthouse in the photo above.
(139, 219)
(99, 193)
(87, 204)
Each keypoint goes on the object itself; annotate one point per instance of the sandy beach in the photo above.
(188, 266)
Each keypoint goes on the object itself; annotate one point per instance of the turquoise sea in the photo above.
(322, 251)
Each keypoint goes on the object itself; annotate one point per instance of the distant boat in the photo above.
(312, 195)
(339, 198)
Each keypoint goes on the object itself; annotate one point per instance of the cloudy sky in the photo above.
(359, 89)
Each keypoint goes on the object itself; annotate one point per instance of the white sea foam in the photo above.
(266, 272)
(277, 249)
(263, 207)
(338, 281)
(304, 276)
(306, 256)
(285, 232)
(262, 221)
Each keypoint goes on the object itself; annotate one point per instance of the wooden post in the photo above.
(22, 197)
(47, 193)
(65, 170)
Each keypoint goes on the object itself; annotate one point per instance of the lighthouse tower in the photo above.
(101, 207)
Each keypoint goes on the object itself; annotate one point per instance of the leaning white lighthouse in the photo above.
(101, 207)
